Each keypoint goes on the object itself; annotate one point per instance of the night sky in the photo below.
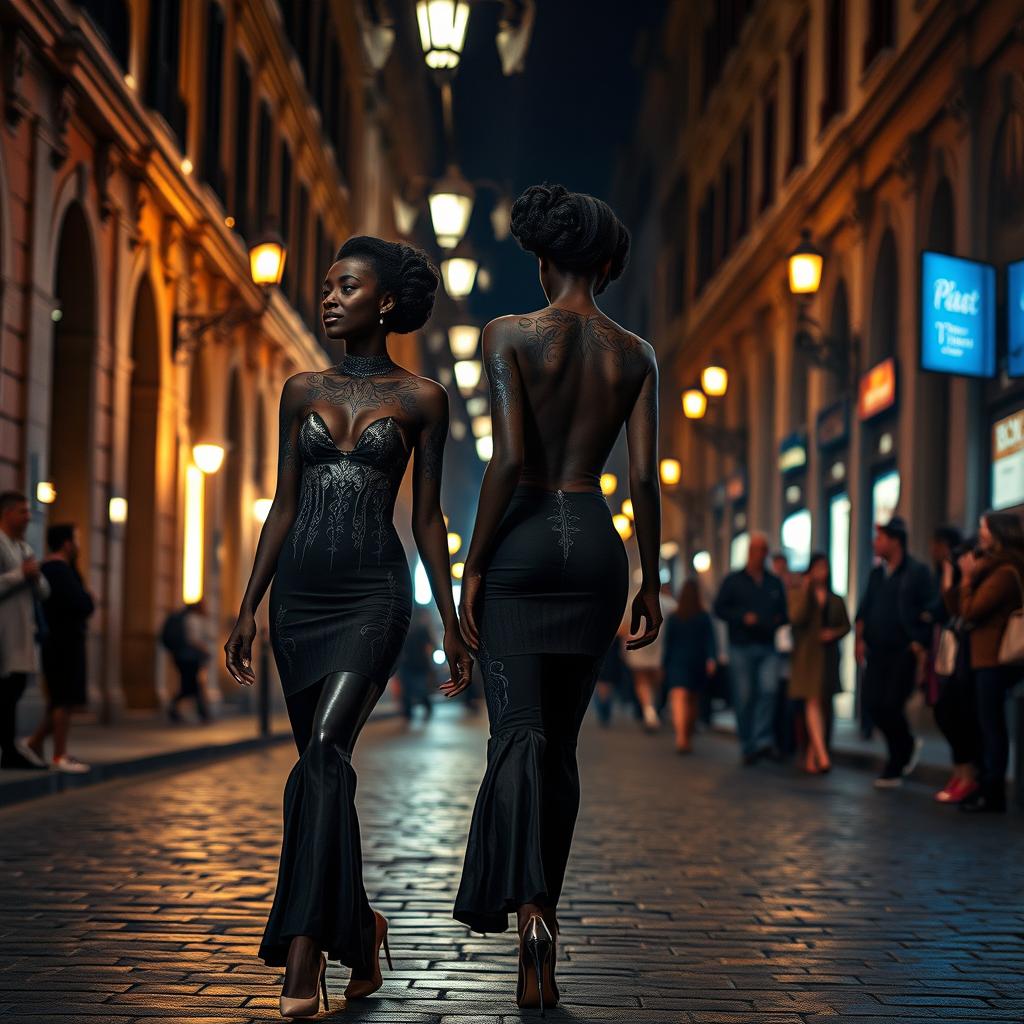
(563, 120)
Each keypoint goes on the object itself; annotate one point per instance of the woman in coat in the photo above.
(989, 592)
(819, 620)
(689, 661)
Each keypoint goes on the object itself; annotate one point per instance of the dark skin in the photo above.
(563, 381)
(353, 303)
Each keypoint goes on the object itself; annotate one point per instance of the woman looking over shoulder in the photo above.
(545, 582)
(341, 598)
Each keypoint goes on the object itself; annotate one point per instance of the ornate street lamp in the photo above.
(805, 263)
(463, 339)
(442, 32)
(459, 273)
(451, 206)
(266, 260)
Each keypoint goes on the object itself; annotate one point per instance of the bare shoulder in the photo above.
(431, 396)
(296, 387)
(642, 351)
(500, 333)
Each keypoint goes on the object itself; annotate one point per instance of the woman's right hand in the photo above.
(238, 651)
(647, 606)
(472, 581)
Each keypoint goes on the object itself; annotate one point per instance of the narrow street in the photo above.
(699, 891)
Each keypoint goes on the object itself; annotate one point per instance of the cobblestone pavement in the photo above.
(699, 891)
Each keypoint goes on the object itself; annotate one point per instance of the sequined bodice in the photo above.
(347, 498)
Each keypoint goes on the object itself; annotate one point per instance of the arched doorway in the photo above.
(141, 573)
(69, 458)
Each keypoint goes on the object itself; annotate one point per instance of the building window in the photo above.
(676, 220)
(263, 142)
(301, 283)
(113, 18)
(834, 100)
(243, 156)
(162, 67)
(743, 213)
(769, 128)
(214, 85)
(881, 28)
(706, 239)
(727, 207)
(798, 101)
(284, 213)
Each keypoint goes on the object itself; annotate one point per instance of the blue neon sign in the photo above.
(1015, 318)
(958, 315)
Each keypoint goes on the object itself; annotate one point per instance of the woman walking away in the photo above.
(819, 620)
(341, 598)
(989, 592)
(956, 711)
(546, 577)
(690, 661)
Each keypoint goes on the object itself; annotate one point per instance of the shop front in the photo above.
(797, 522)
(736, 499)
(876, 409)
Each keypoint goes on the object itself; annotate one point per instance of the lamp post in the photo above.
(266, 265)
(805, 266)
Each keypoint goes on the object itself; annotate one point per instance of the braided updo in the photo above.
(574, 230)
(404, 271)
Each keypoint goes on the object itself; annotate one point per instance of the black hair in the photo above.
(574, 230)
(402, 270)
(948, 534)
(820, 556)
(9, 499)
(58, 535)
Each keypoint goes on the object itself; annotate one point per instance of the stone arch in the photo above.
(142, 572)
(69, 458)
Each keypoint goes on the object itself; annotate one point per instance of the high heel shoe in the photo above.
(360, 988)
(536, 954)
(297, 1007)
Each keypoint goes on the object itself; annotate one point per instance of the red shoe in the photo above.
(964, 790)
(947, 795)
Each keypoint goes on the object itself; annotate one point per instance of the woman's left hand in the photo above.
(460, 664)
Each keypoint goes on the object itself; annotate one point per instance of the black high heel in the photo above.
(536, 944)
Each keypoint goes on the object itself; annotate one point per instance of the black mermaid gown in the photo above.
(553, 596)
(340, 601)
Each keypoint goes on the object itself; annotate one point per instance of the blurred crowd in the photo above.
(951, 634)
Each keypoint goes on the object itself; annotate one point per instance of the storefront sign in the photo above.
(793, 452)
(1008, 461)
(877, 390)
(1015, 318)
(834, 425)
(958, 315)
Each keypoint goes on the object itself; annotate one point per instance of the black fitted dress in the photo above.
(340, 602)
(553, 595)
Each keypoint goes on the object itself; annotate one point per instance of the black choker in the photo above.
(366, 366)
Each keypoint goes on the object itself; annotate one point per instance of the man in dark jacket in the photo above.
(67, 612)
(752, 603)
(893, 636)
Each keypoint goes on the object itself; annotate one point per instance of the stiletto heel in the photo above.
(537, 943)
(302, 1007)
(360, 988)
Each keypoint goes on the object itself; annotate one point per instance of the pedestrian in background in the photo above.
(990, 590)
(185, 637)
(945, 541)
(752, 603)
(22, 586)
(415, 664)
(690, 661)
(612, 677)
(67, 612)
(893, 636)
(645, 665)
(956, 712)
(819, 620)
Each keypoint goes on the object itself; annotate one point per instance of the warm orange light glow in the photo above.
(609, 481)
(192, 575)
(671, 472)
(715, 381)
(454, 543)
(627, 508)
(805, 267)
(695, 404)
(623, 526)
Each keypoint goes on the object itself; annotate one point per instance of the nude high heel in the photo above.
(361, 988)
(297, 1007)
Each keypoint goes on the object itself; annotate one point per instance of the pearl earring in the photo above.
(382, 320)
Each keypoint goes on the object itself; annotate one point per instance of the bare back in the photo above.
(581, 378)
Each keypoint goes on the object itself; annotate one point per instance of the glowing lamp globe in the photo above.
(208, 457)
(805, 267)
(671, 472)
(442, 25)
(715, 381)
(463, 339)
(695, 404)
(266, 260)
(609, 481)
